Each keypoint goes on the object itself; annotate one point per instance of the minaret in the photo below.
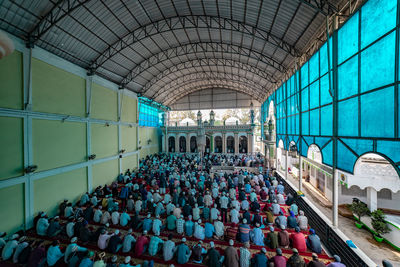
(199, 118)
(251, 113)
(212, 118)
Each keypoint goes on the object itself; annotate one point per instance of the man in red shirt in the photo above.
(278, 260)
(141, 244)
(298, 240)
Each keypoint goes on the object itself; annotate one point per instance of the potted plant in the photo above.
(360, 209)
(379, 225)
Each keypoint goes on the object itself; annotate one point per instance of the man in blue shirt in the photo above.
(209, 230)
(189, 226)
(147, 223)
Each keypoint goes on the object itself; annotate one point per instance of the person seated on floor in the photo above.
(213, 258)
(180, 223)
(147, 223)
(272, 238)
(183, 252)
(313, 242)
(114, 243)
(219, 228)
(97, 214)
(315, 261)
(155, 245)
(291, 221)
(214, 213)
(278, 260)
(103, 239)
(294, 208)
(254, 206)
(68, 211)
(189, 226)
(302, 221)
(85, 235)
(260, 259)
(9, 247)
(298, 240)
(244, 232)
(280, 188)
(199, 231)
(169, 248)
(336, 263)
(276, 208)
(141, 244)
(231, 255)
(128, 242)
(295, 260)
(22, 245)
(283, 237)
(54, 254)
(54, 227)
(171, 222)
(115, 217)
(197, 252)
(209, 230)
(71, 247)
(281, 219)
(105, 218)
(42, 225)
(124, 218)
(280, 199)
(257, 235)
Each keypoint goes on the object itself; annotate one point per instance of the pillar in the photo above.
(177, 144)
(372, 199)
(335, 199)
(236, 147)
(300, 173)
(187, 143)
(211, 144)
(286, 164)
(223, 143)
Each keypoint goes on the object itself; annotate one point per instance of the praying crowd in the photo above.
(175, 211)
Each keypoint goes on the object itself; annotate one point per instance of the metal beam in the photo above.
(196, 87)
(190, 22)
(59, 11)
(209, 75)
(193, 48)
(325, 7)
(258, 75)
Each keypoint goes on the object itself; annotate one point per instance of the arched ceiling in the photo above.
(167, 49)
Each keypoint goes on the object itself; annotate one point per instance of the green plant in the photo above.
(359, 208)
(378, 223)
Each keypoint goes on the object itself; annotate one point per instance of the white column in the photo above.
(372, 199)
(177, 144)
(286, 164)
(300, 173)
(335, 198)
(236, 143)
(187, 143)
(223, 143)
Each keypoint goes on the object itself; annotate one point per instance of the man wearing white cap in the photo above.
(71, 247)
(260, 259)
(9, 248)
(199, 231)
(213, 258)
(157, 225)
(115, 217)
(97, 214)
(183, 252)
(231, 255)
(42, 225)
(129, 239)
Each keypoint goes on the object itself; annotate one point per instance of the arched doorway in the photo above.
(182, 144)
(218, 144)
(243, 144)
(193, 144)
(314, 174)
(171, 144)
(208, 145)
(230, 144)
(376, 183)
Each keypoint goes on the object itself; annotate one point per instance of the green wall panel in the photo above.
(11, 77)
(104, 103)
(57, 143)
(12, 150)
(105, 173)
(13, 209)
(129, 162)
(57, 91)
(104, 140)
(129, 109)
(49, 191)
(129, 139)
